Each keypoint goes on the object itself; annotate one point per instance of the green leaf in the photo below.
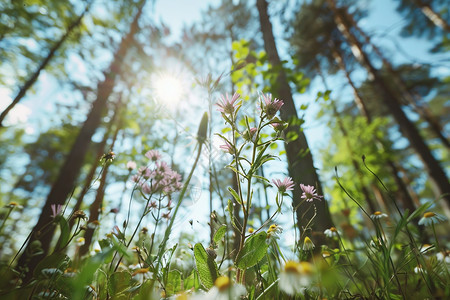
(235, 195)
(57, 260)
(118, 282)
(173, 282)
(220, 233)
(206, 266)
(255, 248)
(65, 233)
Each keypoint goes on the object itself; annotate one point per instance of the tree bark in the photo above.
(300, 160)
(90, 176)
(29, 83)
(95, 208)
(64, 184)
(409, 130)
(433, 16)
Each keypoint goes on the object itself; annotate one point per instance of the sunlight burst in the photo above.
(168, 88)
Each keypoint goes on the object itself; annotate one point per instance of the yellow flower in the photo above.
(295, 277)
(308, 244)
(222, 283)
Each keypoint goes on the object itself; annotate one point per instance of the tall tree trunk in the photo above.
(101, 150)
(95, 208)
(74, 161)
(433, 16)
(421, 108)
(32, 79)
(300, 160)
(409, 130)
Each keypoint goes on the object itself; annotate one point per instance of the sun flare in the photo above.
(168, 88)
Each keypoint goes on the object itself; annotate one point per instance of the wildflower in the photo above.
(56, 210)
(146, 189)
(152, 204)
(326, 253)
(131, 165)
(13, 204)
(430, 218)
(227, 147)
(96, 248)
(443, 256)
(79, 214)
(69, 272)
(295, 277)
(153, 155)
(269, 106)
(307, 244)
(166, 215)
(419, 269)
(136, 178)
(425, 248)
(91, 290)
(141, 274)
(331, 232)
(249, 135)
(223, 289)
(227, 105)
(378, 215)
(278, 125)
(80, 241)
(94, 224)
(273, 233)
(309, 193)
(108, 157)
(286, 185)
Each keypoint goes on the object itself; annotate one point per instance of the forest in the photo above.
(260, 149)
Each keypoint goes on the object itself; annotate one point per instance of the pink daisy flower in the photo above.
(56, 210)
(227, 105)
(309, 193)
(286, 185)
(153, 155)
(269, 106)
(227, 147)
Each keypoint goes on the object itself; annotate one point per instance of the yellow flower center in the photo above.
(308, 240)
(429, 214)
(272, 228)
(326, 253)
(140, 271)
(292, 267)
(306, 267)
(182, 297)
(333, 229)
(377, 213)
(222, 283)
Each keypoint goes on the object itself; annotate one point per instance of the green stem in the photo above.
(180, 198)
(6, 218)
